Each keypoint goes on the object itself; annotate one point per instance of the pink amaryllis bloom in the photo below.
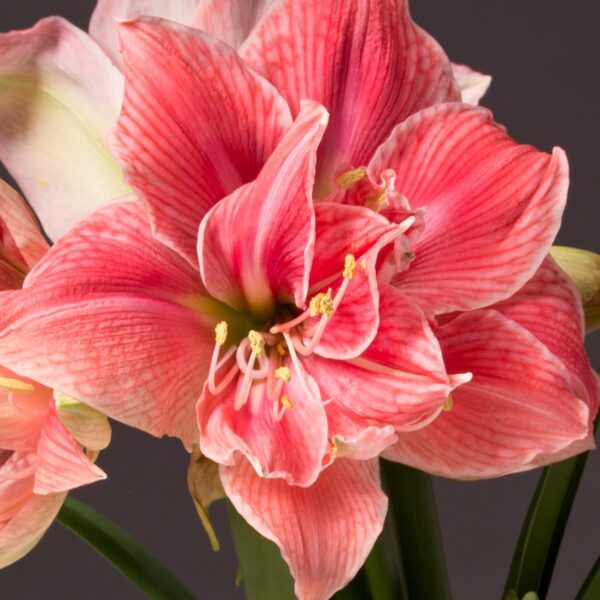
(62, 89)
(44, 452)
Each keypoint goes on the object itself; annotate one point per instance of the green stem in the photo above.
(265, 576)
(413, 510)
(542, 532)
(590, 590)
(126, 555)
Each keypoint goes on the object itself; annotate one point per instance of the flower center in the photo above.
(260, 356)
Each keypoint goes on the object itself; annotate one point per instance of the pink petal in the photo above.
(27, 527)
(196, 124)
(291, 448)
(267, 255)
(343, 230)
(230, 20)
(493, 206)
(520, 409)
(325, 531)
(21, 242)
(59, 98)
(549, 307)
(473, 85)
(399, 380)
(61, 463)
(108, 13)
(365, 61)
(114, 318)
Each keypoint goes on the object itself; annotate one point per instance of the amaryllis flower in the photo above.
(44, 452)
(62, 90)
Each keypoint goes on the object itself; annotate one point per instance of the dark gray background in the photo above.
(544, 56)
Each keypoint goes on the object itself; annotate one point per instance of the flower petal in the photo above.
(493, 206)
(267, 256)
(473, 85)
(519, 411)
(196, 125)
(399, 380)
(325, 531)
(59, 98)
(21, 242)
(61, 462)
(291, 448)
(230, 20)
(108, 13)
(364, 60)
(27, 527)
(114, 318)
(548, 306)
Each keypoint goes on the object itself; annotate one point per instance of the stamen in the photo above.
(349, 178)
(15, 385)
(321, 304)
(221, 333)
(257, 342)
(286, 402)
(447, 406)
(283, 373)
(281, 349)
(349, 266)
(243, 391)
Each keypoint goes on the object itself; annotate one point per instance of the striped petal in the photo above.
(291, 447)
(59, 98)
(325, 531)
(473, 85)
(519, 411)
(108, 13)
(114, 318)
(27, 527)
(364, 60)
(493, 206)
(267, 255)
(61, 462)
(196, 125)
(230, 20)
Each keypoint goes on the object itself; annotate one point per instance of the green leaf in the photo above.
(414, 513)
(120, 549)
(265, 576)
(542, 532)
(590, 590)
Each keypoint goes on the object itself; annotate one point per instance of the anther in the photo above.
(321, 304)
(286, 402)
(447, 406)
(283, 373)
(349, 178)
(349, 266)
(257, 342)
(221, 333)
(281, 349)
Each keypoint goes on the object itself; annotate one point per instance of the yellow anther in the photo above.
(281, 349)
(321, 304)
(349, 178)
(349, 266)
(257, 343)
(286, 402)
(447, 406)
(15, 385)
(408, 255)
(221, 333)
(283, 373)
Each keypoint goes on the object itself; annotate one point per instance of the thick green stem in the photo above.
(544, 526)
(265, 576)
(126, 555)
(413, 510)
